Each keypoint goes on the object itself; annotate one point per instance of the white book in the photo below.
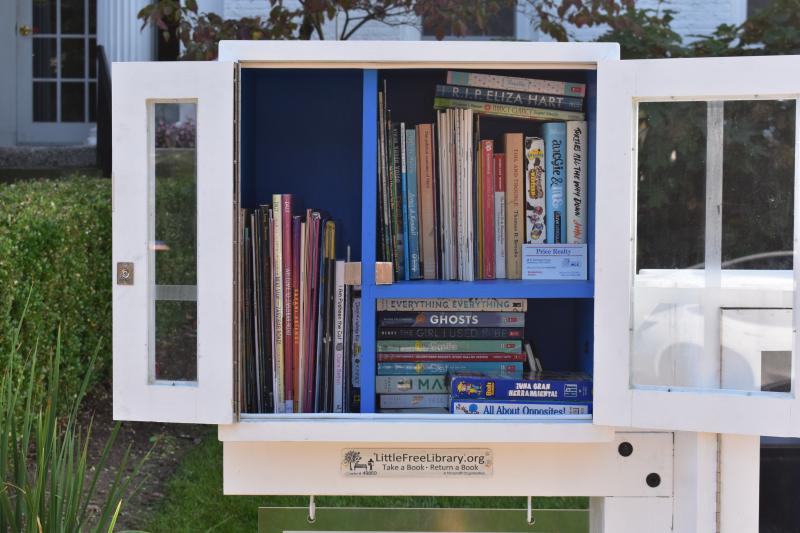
(277, 300)
(535, 230)
(576, 182)
(338, 339)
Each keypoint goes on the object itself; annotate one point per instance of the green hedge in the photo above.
(55, 245)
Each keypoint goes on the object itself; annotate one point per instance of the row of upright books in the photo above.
(456, 206)
(301, 323)
(468, 356)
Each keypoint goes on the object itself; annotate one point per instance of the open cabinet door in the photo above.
(173, 193)
(697, 245)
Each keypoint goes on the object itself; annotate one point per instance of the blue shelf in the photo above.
(499, 288)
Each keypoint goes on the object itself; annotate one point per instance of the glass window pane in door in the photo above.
(92, 101)
(72, 58)
(174, 242)
(44, 16)
(45, 57)
(72, 102)
(93, 17)
(44, 101)
(72, 16)
(92, 58)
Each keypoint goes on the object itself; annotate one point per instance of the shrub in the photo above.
(55, 242)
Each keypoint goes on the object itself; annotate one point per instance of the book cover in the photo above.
(278, 300)
(338, 339)
(500, 216)
(509, 369)
(427, 192)
(486, 212)
(576, 182)
(535, 203)
(515, 83)
(414, 271)
(505, 110)
(452, 304)
(405, 401)
(532, 411)
(450, 346)
(408, 319)
(515, 206)
(554, 134)
(504, 96)
(288, 299)
(404, 199)
(450, 333)
(552, 386)
(424, 384)
(421, 357)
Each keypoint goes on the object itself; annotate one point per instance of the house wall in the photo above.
(692, 17)
(8, 64)
(120, 33)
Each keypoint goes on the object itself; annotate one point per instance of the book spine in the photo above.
(509, 83)
(448, 319)
(397, 206)
(517, 98)
(404, 200)
(288, 290)
(355, 370)
(554, 134)
(427, 227)
(452, 304)
(278, 301)
(532, 411)
(502, 369)
(450, 346)
(404, 401)
(296, 251)
(450, 333)
(338, 341)
(576, 182)
(414, 271)
(311, 309)
(505, 110)
(500, 216)
(430, 384)
(515, 208)
(302, 330)
(466, 387)
(487, 209)
(420, 357)
(535, 205)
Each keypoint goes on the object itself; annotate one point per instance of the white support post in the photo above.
(740, 469)
(695, 482)
(630, 515)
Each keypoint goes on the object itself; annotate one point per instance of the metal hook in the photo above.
(312, 510)
(531, 519)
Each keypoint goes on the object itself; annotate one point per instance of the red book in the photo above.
(410, 357)
(487, 163)
(288, 284)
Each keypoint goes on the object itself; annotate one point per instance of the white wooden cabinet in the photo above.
(681, 341)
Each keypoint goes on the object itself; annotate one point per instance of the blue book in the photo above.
(540, 386)
(529, 410)
(404, 181)
(555, 143)
(505, 369)
(413, 206)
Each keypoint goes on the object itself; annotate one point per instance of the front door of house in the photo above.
(56, 70)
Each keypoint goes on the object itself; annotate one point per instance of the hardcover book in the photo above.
(514, 83)
(486, 212)
(504, 96)
(537, 386)
(450, 346)
(534, 191)
(426, 201)
(452, 304)
(505, 110)
(576, 182)
(421, 357)
(529, 410)
(405, 401)
(554, 134)
(500, 216)
(425, 384)
(515, 207)
(509, 369)
(451, 333)
(449, 319)
(414, 271)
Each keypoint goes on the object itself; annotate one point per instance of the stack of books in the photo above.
(421, 341)
(301, 324)
(454, 205)
(537, 395)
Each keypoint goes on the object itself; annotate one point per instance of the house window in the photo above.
(500, 23)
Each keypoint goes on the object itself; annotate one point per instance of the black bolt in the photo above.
(653, 480)
(625, 449)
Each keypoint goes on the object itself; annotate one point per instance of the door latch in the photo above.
(124, 273)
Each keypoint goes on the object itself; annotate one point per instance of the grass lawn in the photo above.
(194, 500)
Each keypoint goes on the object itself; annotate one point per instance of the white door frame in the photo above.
(28, 131)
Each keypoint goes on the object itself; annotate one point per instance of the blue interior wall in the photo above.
(301, 134)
